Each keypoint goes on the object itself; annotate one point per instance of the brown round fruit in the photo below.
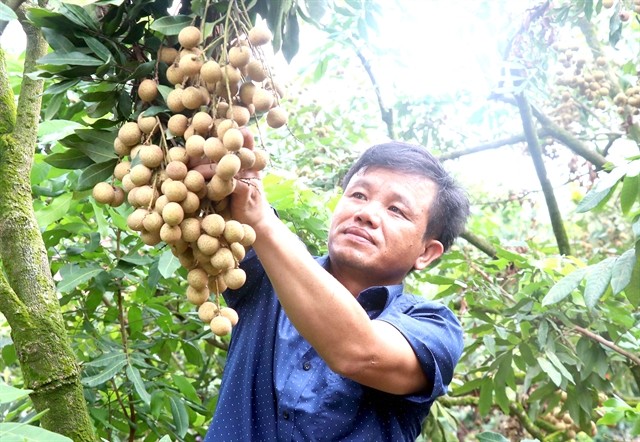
(276, 117)
(259, 35)
(207, 311)
(234, 278)
(189, 37)
(148, 90)
(103, 193)
(130, 134)
(220, 326)
(230, 314)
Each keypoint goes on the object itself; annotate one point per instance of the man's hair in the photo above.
(450, 207)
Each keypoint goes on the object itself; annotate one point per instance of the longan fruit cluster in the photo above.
(178, 168)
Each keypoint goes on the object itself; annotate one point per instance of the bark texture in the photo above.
(28, 297)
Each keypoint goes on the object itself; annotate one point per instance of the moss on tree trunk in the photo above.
(27, 292)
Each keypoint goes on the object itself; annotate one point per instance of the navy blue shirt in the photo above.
(275, 387)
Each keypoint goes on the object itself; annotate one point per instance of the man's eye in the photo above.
(396, 210)
(357, 195)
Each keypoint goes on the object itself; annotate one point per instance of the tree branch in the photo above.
(547, 188)
(589, 334)
(481, 244)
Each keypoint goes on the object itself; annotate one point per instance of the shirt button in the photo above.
(306, 366)
(285, 415)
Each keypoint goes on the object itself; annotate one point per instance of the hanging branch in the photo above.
(565, 137)
(547, 188)
(481, 244)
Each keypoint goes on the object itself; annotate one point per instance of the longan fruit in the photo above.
(127, 184)
(208, 244)
(191, 203)
(145, 195)
(238, 251)
(146, 124)
(120, 148)
(178, 153)
(207, 311)
(233, 231)
(103, 193)
(276, 117)
(211, 72)
(262, 157)
(135, 218)
(230, 74)
(220, 326)
(228, 167)
(197, 296)
(239, 114)
(174, 101)
(259, 35)
(174, 190)
(191, 98)
(178, 124)
(186, 259)
(190, 65)
(239, 56)
(150, 238)
(234, 278)
(223, 126)
(194, 181)
(263, 100)
(118, 196)
(151, 155)
(216, 283)
(249, 235)
(233, 140)
(213, 224)
(140, 175)
(214, 149)
(217, 188)
(246, 92)
(170, 234)
(152, 222)
(175, 75)
(172, 213)
(167, 54)
(223, 259)
(148, 90)
(160, 203)
(189, 37)
(176, 170)
(195, 146)
(190, 228)
(197, 278)
(230, 314)
(256, 71)
(202, 122)
(130, 134)
(247, 158)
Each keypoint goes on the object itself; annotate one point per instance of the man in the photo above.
(330, 348)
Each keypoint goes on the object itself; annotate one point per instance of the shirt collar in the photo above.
(373, 299)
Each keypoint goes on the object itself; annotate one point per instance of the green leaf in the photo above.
(71, 59)
(106, 375)
(60, 87)
(55, 211)
(490, 436)
(99, 144)
(10, 394)
(622, 271)
(192, 353)
(6, 13)
(107, 359)
(171, 25)
(71, 159)
(186, 388)
(560, 366)
(486, 397)
(53, 130)
(632, 291)
(135, 319)
(597, 280)
(168, 264)
(629, 193)
(134, 376)
(96, 173)
(550, 370)
(564, 287)
(79, 16)
(98, 48)
(21, 432)
(180, 416)
(73, 276)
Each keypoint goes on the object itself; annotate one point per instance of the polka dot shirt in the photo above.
(275, 387)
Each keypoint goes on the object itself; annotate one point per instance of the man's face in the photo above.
(378, 226)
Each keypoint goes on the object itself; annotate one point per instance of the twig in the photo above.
(588, 334)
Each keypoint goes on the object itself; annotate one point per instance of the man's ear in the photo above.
(433, 249)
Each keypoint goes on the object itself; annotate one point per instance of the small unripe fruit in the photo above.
(207, 311)
(189, 37)
(220, 326)
(103, 193)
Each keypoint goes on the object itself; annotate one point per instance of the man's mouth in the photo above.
(359, 233)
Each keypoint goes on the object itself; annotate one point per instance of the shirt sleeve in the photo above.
(435, 335)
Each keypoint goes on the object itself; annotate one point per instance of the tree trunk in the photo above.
(27, 291)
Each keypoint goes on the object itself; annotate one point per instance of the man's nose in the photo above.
(369, 214)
